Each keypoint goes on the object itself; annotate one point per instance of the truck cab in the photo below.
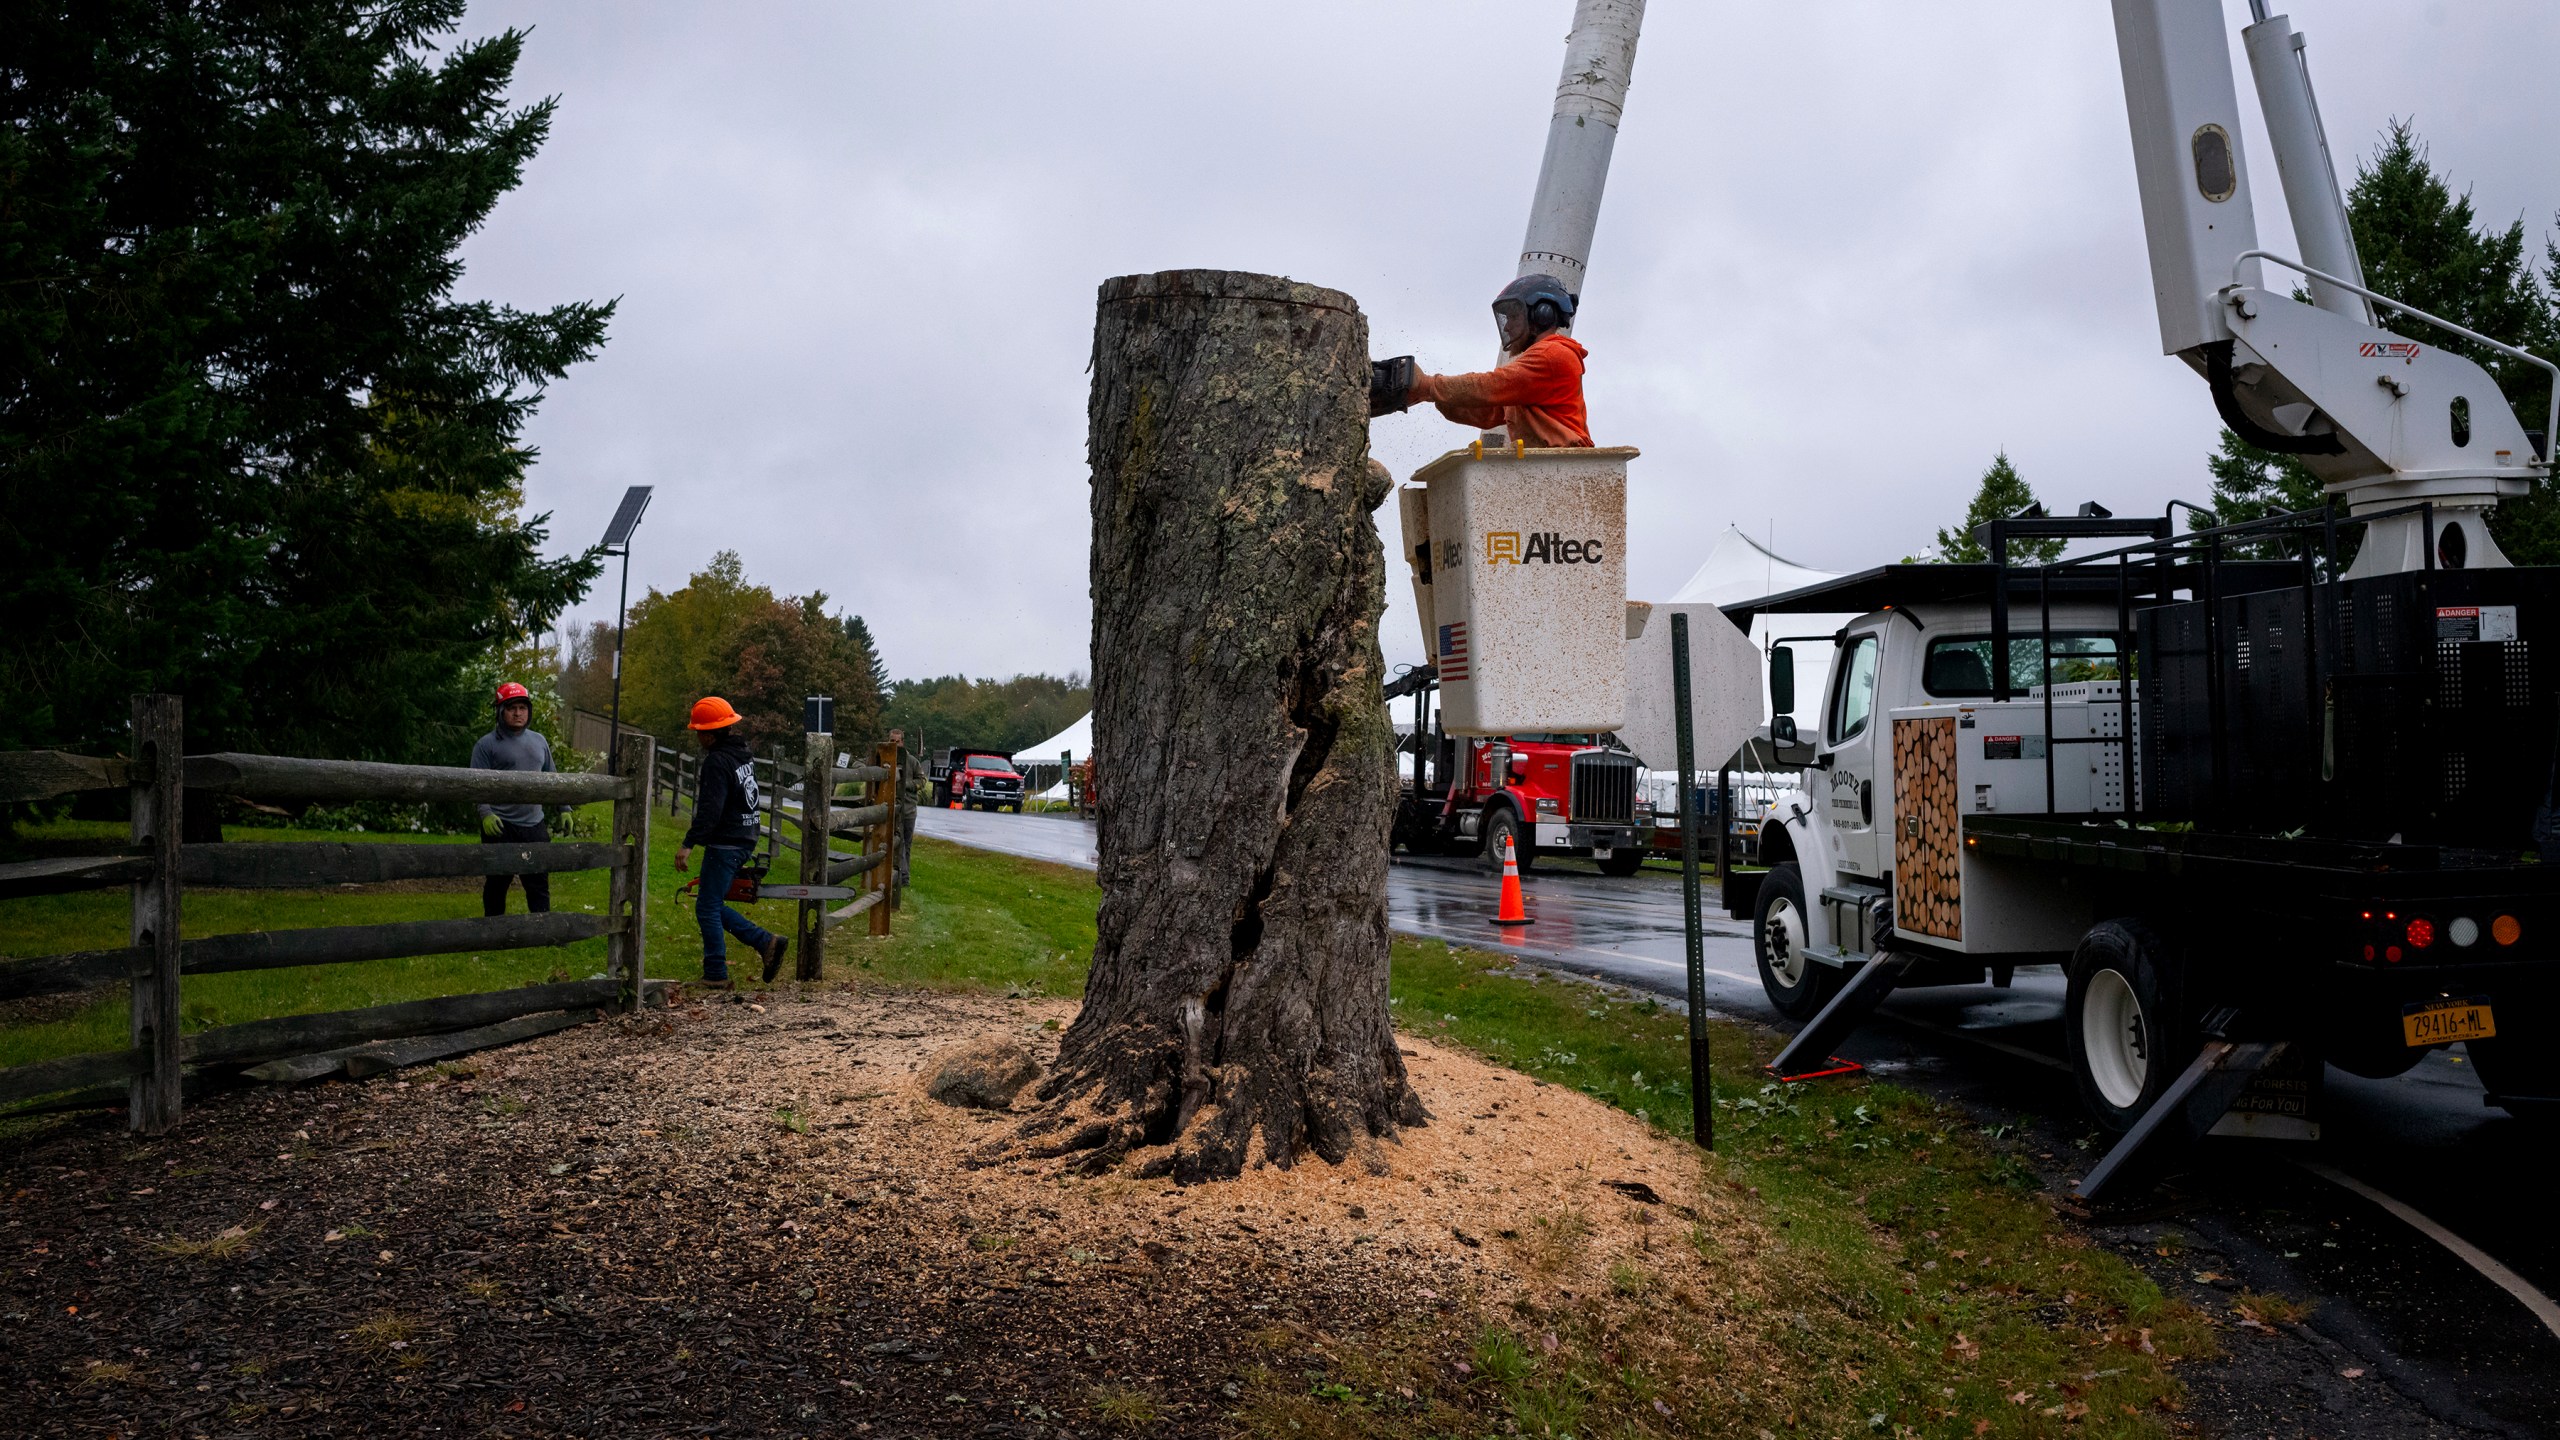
(1832, 840)
(1554, 794)
(980, 780)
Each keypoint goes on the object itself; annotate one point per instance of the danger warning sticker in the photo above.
(2475, 622)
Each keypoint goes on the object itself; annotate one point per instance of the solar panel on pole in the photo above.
(617, 541)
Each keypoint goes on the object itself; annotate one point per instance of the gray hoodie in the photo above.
(524, 750)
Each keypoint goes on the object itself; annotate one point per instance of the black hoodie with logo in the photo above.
(727, 800)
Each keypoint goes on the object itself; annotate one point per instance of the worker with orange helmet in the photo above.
(513, 744)
(724, 825)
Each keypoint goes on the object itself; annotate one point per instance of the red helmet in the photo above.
(513, 691)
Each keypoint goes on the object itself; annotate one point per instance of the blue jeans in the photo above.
(720, 865)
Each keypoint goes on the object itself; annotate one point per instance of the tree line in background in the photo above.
(1007, 715)
(766, 653)
(2421, 244)
(253, 450)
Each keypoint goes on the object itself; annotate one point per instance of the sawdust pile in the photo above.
(750, 1215)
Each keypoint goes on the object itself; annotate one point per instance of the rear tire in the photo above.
(1797, 984)
(1623, 863)
(2505, 1070)
(2123, 1022)
(1504, 823)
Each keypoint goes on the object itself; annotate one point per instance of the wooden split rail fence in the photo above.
(803, 796)
(157, 868)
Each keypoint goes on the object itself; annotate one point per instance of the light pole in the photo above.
(617, 541)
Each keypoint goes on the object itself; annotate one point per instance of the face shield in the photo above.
(1511, 322)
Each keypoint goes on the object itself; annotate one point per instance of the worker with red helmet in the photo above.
(1536, 394)
(724, 825)
(513, 744)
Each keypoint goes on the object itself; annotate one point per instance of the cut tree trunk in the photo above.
(1239, 984)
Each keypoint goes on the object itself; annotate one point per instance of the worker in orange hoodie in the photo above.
(1536, 394)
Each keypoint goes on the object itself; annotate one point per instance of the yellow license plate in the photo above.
(2439, 1021)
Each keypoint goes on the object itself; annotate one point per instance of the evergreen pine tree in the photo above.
(873, 666)
(2002, 493)
(252, 448)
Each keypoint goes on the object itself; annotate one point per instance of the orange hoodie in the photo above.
(1538, 396)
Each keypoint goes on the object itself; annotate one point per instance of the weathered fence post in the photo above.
(626, 946)
(902, 836)
(817, 815)
(883, 837)
(159, 765)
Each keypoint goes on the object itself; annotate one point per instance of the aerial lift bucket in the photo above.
(1520, 573)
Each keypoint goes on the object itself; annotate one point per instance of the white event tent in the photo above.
(1075, 742)
(1741, 568)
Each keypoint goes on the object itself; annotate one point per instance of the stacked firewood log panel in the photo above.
(1928, 884)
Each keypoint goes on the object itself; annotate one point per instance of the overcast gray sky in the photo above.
(1848, 251)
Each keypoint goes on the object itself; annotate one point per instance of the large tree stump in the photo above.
(1239, 984)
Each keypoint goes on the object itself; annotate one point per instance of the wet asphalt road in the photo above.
(2452, 1352)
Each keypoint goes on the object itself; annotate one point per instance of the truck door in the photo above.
(1850, 724)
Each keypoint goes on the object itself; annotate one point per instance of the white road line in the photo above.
(2472, 1255)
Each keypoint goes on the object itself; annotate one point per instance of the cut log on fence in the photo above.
(43, 774)
(282, 777)
(71, 1072)
(330, 945)
(391, 1055)
(846, 867)
(289, 865)
(854, 909)
(101, 1097)
(860, 817)
(66, 873)
(861, 774)
(79, 1082)
(303, 1034)
(1236, 1011)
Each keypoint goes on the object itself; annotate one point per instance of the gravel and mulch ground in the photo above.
(746, 1218)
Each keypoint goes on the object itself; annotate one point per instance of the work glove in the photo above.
(491, 827)
(1390, 385)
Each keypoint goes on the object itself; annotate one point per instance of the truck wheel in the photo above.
(1504, 823)
(1623, 863)
(1798, 985)
(2120, 1022)
(2505, 1070)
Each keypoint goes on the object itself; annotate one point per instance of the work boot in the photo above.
(715, 973)
(773, 954)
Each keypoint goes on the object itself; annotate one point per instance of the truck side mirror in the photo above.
(1782, 681)
(1782, 729)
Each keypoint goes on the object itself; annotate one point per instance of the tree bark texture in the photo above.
(1239, 985)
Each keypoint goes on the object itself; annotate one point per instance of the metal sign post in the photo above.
(1701, 1087)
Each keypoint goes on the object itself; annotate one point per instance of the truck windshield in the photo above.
(992, 764)
(1545, 737)
(1958, 667)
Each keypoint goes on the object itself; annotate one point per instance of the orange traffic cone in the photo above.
(955, 799)
(1512, 911)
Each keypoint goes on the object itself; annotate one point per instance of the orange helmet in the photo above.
(712, 713)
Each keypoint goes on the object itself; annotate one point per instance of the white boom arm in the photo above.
(2382, 418)
(1599, 59)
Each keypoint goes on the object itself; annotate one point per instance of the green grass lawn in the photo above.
(1975, 1303)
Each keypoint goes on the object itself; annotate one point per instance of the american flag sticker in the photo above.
(1453, 652)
